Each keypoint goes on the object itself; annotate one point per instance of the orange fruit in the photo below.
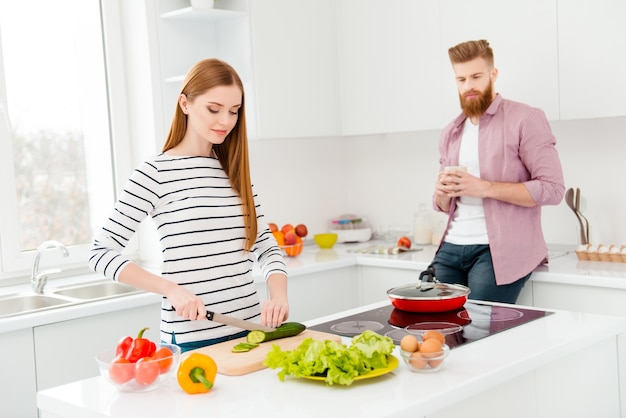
(286, 228)
(280, 237)
(434, 334)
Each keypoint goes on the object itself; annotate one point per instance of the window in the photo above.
(56, 165)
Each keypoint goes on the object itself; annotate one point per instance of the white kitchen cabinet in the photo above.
(323, 293)
(375, 281)
(291, 46)
(180, 36)
(523, 35)
(578, 298)
(389, 66)
(592, 58)
(65, 351)
(295, 68)
(549, 390)
(18, 385)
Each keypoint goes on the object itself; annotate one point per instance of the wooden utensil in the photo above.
(569, 199)
(581, 214)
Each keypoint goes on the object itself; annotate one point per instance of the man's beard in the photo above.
(475, 107)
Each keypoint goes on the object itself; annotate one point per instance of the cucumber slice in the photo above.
(243, 347)
(287, 329)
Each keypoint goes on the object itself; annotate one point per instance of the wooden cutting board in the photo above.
(237, 364)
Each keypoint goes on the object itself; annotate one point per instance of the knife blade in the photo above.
(236, 322)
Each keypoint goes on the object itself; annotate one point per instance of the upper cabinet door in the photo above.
(389, 65)
(295, 68)
(523, 35)
(592, 58)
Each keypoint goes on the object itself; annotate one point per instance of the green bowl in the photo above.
(325, 241)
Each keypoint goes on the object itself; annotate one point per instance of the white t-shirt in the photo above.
(468, 225)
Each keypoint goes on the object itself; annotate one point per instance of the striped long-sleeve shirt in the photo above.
(200, 224)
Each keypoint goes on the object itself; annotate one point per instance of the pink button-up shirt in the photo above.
(515, 145)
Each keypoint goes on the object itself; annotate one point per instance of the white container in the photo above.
(422, 226)
(353, 235)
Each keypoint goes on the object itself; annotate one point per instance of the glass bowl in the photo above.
(124, 377)
(446, 328)
(425, 362)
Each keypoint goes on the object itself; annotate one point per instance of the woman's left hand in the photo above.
(274, 312)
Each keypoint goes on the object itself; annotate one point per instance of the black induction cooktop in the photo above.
(473, 322)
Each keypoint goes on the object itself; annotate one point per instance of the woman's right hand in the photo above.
(187, 304)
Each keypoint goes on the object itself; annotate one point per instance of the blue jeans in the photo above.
(472, 266)
(199, 344)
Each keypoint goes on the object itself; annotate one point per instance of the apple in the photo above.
(291, 238)
(287, 228)
(272, 226)
(301, 230)
(404, 242)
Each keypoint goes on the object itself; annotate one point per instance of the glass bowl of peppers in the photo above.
(138, 364)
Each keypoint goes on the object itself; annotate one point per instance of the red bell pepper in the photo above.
(123, 346)
(140, 347)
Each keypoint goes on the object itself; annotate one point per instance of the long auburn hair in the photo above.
(233, 152)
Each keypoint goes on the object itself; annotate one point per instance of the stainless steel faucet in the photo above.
(39, 279)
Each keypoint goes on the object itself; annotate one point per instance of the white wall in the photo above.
(385, 177)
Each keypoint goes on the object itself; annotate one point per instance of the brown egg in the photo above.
(434, 334)
(434, 363)
(409, 343)
(417, 360)
(431, 348)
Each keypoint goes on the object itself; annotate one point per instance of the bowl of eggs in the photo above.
(425, 353)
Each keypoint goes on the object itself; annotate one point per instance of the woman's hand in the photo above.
(274, 312)
(187, 304)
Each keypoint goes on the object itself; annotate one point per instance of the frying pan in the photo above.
(428, 295)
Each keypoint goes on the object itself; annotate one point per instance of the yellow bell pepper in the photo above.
(196, 373)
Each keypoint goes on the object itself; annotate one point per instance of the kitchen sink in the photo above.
(31, 302)
(100, 289)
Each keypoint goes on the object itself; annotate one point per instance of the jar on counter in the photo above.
(422, 226)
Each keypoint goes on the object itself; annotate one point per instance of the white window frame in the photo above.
(17, 264)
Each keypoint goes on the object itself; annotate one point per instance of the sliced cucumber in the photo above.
(243, 347)
(288, 329)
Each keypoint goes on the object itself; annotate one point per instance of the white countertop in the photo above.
(565, 268)
(469, 370)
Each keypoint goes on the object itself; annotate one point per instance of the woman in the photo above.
(199, 194)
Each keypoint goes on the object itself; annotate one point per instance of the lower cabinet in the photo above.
(318, 294)
(576, 385)
(579, 298)
(18, 384)
(65, 351)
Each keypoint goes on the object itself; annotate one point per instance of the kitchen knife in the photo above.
(236, 322)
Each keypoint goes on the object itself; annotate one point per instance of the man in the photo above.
(507, 167)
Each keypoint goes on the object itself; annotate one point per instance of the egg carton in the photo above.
(601, 252)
